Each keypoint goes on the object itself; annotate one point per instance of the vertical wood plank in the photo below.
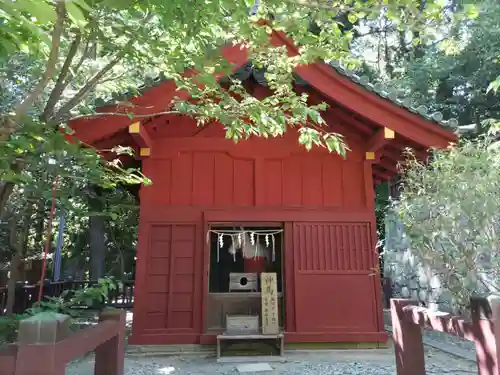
(182, 179)
(273, 182)
(224, 180)
(203, 178)
(259, 182)
(408, 346)
(290, 242)
(332, 181)
(292, 182)
(244, 180)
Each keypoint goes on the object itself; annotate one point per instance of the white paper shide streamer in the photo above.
(247, 241)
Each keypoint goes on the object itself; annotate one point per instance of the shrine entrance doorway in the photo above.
(238, 255)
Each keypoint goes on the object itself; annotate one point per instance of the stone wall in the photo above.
(409, 278)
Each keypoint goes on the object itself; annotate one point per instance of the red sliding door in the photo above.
(333, 289)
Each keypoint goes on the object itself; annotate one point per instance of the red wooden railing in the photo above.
(483, 329)
(27, 295)
(45, 348)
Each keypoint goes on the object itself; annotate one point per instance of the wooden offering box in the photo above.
(242, 324)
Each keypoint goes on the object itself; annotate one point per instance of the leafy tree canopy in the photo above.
(93, 48)
(450, 213)
(454, 71)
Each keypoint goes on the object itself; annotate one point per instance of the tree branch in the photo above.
(60, 83)
(83, 57)
(377, 31)
(91, 84)
(326, 5)
(129, 115)
(50, 67)
(78, 65)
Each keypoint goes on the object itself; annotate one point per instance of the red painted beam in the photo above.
(317, 98)
(394, 155)
(378, 177)
(381, 173)
(389, 166)
(379, 139)
(336, 125)
(140, 135)
(351, 120)
(422, 155)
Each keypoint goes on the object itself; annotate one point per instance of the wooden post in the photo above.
(37, 338)
(8, 360)
(407, 336)
(110, 355)
(486, 325)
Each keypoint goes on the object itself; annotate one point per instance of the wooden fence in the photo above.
(45, 345)
(27, 295)
(483, 329)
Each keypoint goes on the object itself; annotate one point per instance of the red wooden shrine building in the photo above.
(319, 205)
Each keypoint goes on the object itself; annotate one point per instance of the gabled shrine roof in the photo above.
(391, 95)
(363, 81)
(366, 107)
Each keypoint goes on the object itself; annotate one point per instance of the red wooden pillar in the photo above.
(486, 322)
(110, 355)
(407, 336)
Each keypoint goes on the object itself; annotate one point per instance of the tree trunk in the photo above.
(17, 243)
(41, 215)
(97, 235)
(15, 264)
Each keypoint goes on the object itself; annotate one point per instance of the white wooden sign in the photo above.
(269, 295)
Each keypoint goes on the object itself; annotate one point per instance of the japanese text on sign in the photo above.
(269, 296)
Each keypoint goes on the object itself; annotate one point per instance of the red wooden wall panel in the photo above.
(182, 179)
(204, 178)
(223, 180)
(333, 289)
(311, 181)
(171, 277)
(352, 185)
(243, 182)
(200, 179)
(273, 182)
(334, 247)
(219, 180)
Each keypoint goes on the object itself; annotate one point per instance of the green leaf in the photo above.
(82, 4)
(352, 17)
(40, 9)
(494, 86)
(35, 30)
(306, 140)
(76, 14)
(471, 10)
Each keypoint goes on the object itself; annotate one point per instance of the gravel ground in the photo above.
(452, 341)
(340, 362)
(445, 354)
